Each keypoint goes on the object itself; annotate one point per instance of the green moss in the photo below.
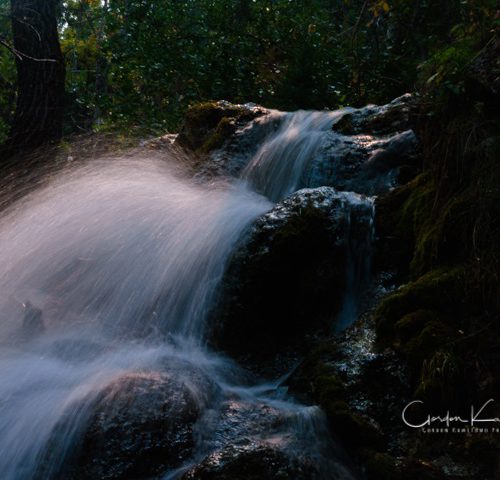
(224, 130)
(319, 380)
(446, 236)
(400, 214)
(209, 114)
(433, 336)
(441, 290)
(207, 125)
(322, 383)
(412, 323)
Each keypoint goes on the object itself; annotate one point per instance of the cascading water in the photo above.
(278, 167)
(110, 269)
(283, 165)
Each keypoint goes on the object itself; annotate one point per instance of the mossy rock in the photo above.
(321, 382)
(400, 214)
(225, 128)
(316, 379)
(285, 292)
(425, 344)
(208, 125)
(412, 323)
(345, 124)
(442, 290)
(445, 237)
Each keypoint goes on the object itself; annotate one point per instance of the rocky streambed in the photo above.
(258, 313)
(285, 287)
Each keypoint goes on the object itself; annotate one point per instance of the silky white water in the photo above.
(113, 255)
(277, 169)
(111, 267)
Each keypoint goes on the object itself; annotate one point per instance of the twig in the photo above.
(356, 25)
(21, 56)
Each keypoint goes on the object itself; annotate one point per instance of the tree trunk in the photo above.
(40, 75)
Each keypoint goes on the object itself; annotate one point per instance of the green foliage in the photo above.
(138, 62)
(144, 62)
(445, 321)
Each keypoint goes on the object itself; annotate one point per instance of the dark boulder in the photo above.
(378, 120)
(288, 278)
(140, 425)
(263, 462)
(363, 163)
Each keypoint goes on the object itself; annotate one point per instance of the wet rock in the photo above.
(208, 125)
(259, 463)
(378, 120)
(363, 390)
(141, 425)
(368, 151)
(363, 163)
(288, 277)
(345, 377)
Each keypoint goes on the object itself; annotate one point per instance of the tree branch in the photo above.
(20, 55)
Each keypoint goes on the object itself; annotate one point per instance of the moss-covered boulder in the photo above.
(333, 376)
(208, 125)
(287, 278)
(441, 290)
(400, 216)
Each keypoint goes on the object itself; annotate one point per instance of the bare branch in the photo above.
(20, 55)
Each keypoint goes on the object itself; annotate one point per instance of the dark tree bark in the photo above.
(40, 76)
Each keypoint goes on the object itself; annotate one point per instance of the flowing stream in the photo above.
(110, 268)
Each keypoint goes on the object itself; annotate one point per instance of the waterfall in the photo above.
(283, 165)
(110, 268)
(278, 167)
